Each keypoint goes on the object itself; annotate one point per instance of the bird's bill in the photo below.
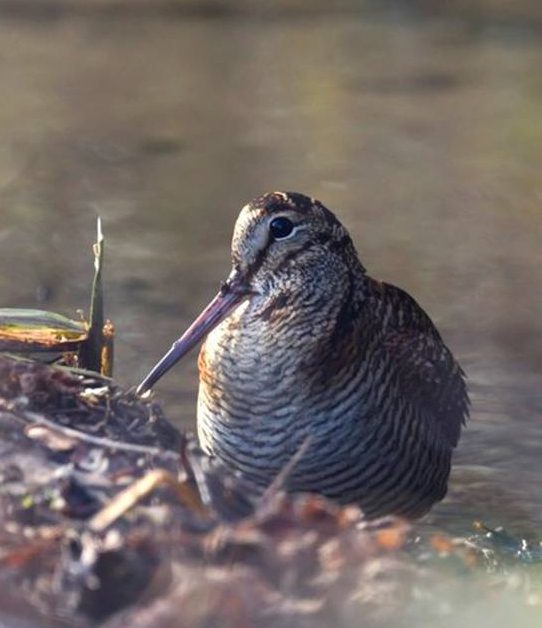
(218, 309)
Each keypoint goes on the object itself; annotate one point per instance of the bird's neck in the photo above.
(297, 319)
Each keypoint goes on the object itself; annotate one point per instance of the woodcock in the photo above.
(304, 348)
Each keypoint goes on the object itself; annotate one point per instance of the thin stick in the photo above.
(129, 497)
(281, 477)
(97, 440)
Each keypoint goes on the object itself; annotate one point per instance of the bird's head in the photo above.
(281, 241)
(281, 233)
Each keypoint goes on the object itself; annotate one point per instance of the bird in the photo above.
(305, 350)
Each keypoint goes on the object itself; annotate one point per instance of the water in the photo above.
(423, 134)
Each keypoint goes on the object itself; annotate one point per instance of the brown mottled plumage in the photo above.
(303, 343)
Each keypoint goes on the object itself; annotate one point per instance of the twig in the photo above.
(129, 497)
(97, 440)
(283, 474)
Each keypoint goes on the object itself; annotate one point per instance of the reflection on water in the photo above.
(424, 136)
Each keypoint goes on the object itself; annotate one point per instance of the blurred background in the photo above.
(419, 123)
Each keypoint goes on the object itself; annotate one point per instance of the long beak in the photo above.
(232, 293)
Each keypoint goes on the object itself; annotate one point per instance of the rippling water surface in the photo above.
(423, 134)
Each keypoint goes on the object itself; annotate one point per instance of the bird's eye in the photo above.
(281, 227)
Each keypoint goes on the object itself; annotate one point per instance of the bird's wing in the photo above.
(428, 376)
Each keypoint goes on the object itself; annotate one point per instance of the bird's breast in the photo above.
(266, 348)
(270, 377)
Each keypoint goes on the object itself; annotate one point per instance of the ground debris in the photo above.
(112, 517)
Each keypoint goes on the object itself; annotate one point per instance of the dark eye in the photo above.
(281, 227)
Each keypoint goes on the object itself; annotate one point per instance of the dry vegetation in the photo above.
(110, 516)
